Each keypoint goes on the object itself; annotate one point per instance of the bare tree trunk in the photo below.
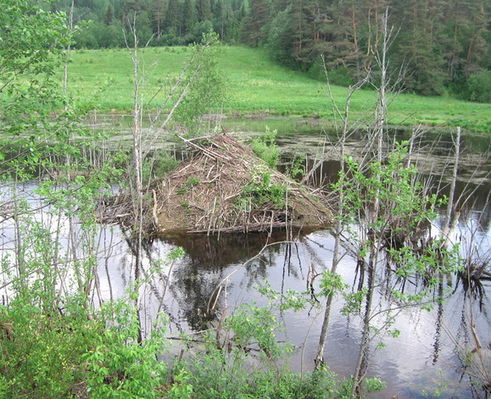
(338, 229)
(380, 123)
(137, 161)
(451, 195)
(319, 358)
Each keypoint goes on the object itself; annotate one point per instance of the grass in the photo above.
(256, 85)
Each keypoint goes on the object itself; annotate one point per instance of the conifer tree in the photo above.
(108, 18)
(189, 16)
(253, 30)
(204, 10)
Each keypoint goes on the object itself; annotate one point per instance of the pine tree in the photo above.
(204, 10)
(219, 18)
(253, 30)
(173, 18)
(189, 16)
(108, 17)
(158, 12)
(416, 50)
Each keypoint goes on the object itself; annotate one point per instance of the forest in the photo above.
(443, 46)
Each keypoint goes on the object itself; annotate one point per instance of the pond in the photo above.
(217, 274)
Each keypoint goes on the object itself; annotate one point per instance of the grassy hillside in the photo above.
(256, 85)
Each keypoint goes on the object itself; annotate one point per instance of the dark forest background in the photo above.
(442, 45)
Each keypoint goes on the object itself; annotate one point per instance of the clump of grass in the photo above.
(265, 147)
(262, 190)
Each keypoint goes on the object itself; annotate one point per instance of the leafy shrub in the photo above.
(479, 87)
(265, 147)
(54, 355)
(158, 165)
(340, 75)
(261, 190)
(205, 86)
(234, 371)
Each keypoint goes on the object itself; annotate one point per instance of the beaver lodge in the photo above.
(224, 187)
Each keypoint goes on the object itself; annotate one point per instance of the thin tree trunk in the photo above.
(451, 195)
(380, 115)
(137, 155)
(319, 358)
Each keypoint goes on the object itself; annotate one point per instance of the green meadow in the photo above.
(255, 85)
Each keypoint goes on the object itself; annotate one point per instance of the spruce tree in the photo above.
(158, 12)
(204, 10)
(253, 30)
(108, 17)
(189, 16)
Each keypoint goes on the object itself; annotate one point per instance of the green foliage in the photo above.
(431, 261)
(58, 345)
(279, 40)
(251, 324)
(331, 284)
(479, 87)
(375, 384)
(192, 181)
(99, 35)
(32, 42)
(353, 302)
(289, 300)
(53, 355)
(203, 85)
(262, 190)
(41, 354)
(340, 75)
(319, 384)
(212, 379)
(231, 372)
(388, 232)
(297, 168)
(264, 146)
(402, 198)
(158, 165)
(181, 389)
(119, 366)
(437, 44)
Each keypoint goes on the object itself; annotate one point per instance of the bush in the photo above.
(234, 372)
(479, 87)
(75, 354)
(340, 76)
(265, 148)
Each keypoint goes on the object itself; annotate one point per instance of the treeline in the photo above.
(441, 45)
(162, 22)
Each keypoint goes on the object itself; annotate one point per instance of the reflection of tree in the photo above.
(215, 252)
(194, 283)
(256, 271)
(192, 288)
(439, 320)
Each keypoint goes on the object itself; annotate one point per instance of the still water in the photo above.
(422, 362)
